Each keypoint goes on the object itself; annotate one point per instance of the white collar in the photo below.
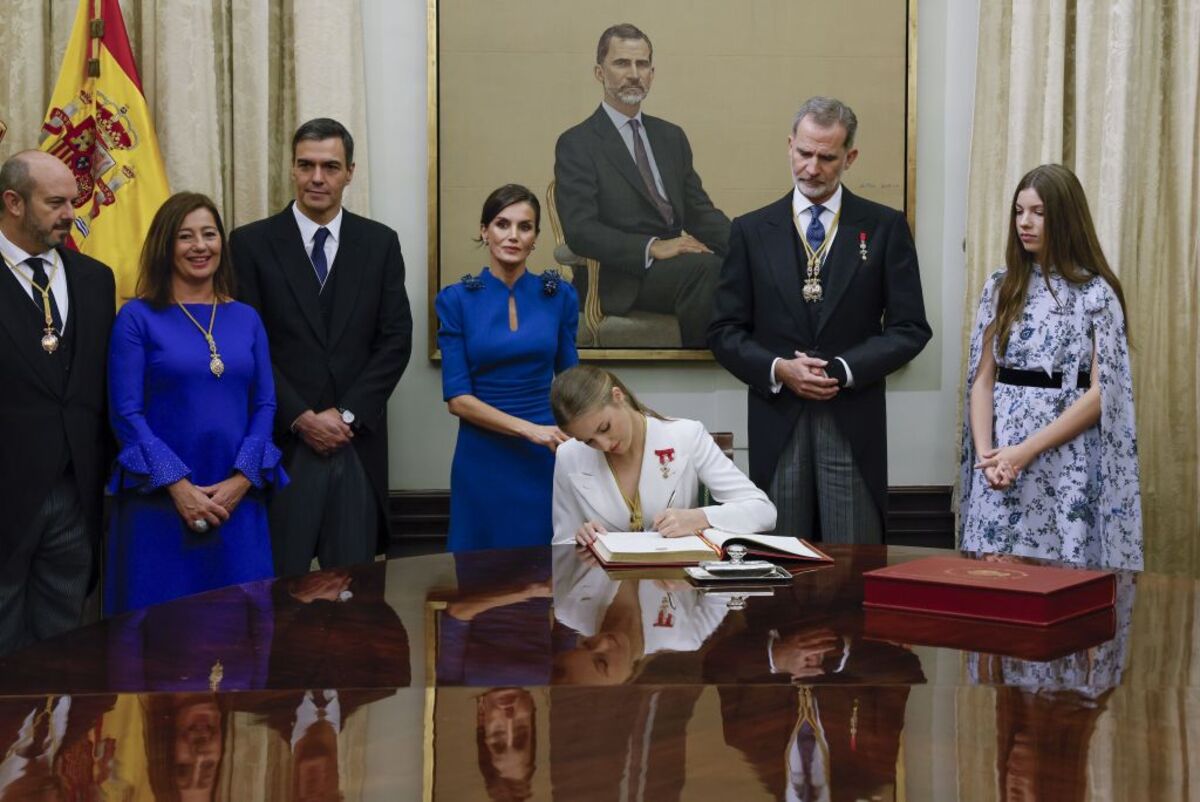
(307, 714)
(16, 254)
(619, 119)
(803, 204)
(308, 226)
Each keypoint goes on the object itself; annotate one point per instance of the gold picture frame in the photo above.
(505, 80)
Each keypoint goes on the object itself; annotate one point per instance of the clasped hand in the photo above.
(324, 432)
(1002, 466)
(671, 522)
(803, 653)
(211, 503)
(805, 376)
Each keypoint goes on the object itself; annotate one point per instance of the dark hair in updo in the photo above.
(506, 196)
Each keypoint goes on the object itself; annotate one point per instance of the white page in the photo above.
(782, 543)
(646, 542)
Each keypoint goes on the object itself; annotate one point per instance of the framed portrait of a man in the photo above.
(644, 129)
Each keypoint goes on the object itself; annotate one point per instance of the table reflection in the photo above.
(625, 624)
(506, 741)
(539, 676)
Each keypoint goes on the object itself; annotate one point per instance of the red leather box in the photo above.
(993, 637)
(1036, 595)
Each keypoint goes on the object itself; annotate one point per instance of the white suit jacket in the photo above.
(680, 455)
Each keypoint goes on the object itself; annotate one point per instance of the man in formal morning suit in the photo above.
(629, 197)
(329, 286)
(820, 299)
(56, 309)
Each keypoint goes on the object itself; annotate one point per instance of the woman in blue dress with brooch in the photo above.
(503, 335)
(192, 402)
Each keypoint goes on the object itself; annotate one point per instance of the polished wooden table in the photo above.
(531, 674)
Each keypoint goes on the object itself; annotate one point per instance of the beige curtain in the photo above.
(1111, 88)
(227, 82)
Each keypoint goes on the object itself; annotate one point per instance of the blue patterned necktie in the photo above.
(816, 232)
(320, 264)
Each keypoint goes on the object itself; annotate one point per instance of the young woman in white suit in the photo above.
(630, 469)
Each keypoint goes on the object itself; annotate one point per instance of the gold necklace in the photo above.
(812, 291)
(636, 521)
(49, 334)
(214, 363)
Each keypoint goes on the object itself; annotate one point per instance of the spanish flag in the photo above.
(98, 124)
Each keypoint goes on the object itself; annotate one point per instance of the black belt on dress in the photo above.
(1037, 378)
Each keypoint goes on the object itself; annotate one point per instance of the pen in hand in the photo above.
(670, 498)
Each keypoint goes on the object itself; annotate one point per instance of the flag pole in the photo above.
(95, 34)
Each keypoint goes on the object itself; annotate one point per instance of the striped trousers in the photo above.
(817, 486)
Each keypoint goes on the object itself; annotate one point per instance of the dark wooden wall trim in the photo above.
(917, 516)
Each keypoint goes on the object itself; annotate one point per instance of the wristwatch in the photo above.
(347, 417)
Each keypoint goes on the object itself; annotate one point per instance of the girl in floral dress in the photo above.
(1049, 447)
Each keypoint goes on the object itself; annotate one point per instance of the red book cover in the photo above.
(1040, 644)
(1037, 595)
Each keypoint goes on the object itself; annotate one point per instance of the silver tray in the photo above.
(701, 576)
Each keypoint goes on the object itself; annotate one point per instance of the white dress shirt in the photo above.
(16, 256)
(308, 233)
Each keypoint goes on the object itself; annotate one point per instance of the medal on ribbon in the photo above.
(665, 457)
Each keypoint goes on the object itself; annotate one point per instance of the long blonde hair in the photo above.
(586, 388)
(1070, 245)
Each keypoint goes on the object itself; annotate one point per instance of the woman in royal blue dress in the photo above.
(503, 335)
(192, 401)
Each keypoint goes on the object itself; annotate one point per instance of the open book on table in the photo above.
(615, 549)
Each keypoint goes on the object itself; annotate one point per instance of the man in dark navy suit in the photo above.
(329, 286)
(56, 310)
(819, 300)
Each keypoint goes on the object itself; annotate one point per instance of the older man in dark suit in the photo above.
(629, 197)
(329, 286)
(56, 309)
(819, 300)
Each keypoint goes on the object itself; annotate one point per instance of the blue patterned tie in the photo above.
(816, 232)
(318, 254)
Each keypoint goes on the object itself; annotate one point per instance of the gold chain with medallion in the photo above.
(49, 333)
(812, 291)
(215, 365)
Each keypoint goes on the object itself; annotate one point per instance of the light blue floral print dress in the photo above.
(1080, 502)
(1090, 672)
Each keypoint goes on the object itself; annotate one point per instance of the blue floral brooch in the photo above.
(550, 281)
(472, 282)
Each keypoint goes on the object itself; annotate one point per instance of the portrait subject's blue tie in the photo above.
(816, 232)
(320, 264)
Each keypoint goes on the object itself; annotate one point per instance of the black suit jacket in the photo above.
(358, 359)
(43, 425)
(606, 211)
(873, 316)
